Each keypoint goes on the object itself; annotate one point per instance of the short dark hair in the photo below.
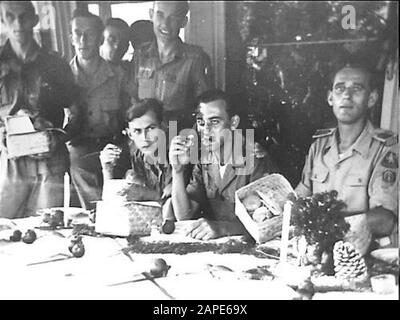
(121, 25)
(141, 32)
(182, 7)
(213, 95)
(83, 13)
(125, 31)
(356, 62)
(28, 5)
(141, 107)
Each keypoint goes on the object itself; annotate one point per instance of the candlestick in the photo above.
(67, 194)
(287, 210)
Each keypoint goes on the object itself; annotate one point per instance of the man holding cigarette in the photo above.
(210, 195)
(146, 169)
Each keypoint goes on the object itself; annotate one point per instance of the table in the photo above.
(194, 276)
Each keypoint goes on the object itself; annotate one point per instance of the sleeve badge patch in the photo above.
(389, 176)
(390, 161)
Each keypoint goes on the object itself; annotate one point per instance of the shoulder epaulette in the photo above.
(323, 133)
(386, 136)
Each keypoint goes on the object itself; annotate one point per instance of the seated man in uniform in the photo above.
(355, 159)
(145, 167)
(222, 170)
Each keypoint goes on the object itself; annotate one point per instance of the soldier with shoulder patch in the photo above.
(168, 69)
(356, 159)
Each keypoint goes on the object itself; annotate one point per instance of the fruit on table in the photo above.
(168, 227)
(159, 268)
(54, 219)
(252, 202)
(29, 236)
(78, 250)
(16, 236)
(76, 247)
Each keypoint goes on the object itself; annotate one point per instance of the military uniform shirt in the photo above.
(176, 83)
(103, 99)
(365, 176)
(44, 85)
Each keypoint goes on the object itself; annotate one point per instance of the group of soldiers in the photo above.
(169, 83)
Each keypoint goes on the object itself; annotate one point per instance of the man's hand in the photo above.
(179, 153)
(56, 138)
(110, 155)
(167, 192)
(204, 230)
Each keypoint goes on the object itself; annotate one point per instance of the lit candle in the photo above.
(287, 210)
(66, 190)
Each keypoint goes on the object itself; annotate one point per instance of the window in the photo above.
(131, 12)
(94, 8)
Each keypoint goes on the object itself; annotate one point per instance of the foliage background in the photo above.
(279, 70)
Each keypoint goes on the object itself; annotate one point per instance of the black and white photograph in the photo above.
(216, 152)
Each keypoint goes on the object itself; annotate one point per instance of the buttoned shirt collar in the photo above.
(178, 52)
(104, 72)
(361, 145)
(7, 52)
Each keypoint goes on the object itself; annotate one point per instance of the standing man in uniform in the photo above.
(103, 100)
(356, 159)
(38, 84)
(223, 169)
(116, 42)
(168, 69)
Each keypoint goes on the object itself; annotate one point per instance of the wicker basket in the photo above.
(276, 188)
(127, 218)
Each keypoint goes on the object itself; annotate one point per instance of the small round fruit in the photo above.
(29, 236)
(252, 202)
(168, 227)
(159, 268)
(78, 250)
(261, 214)
(47, 218)
(75, 240)
(16, 236)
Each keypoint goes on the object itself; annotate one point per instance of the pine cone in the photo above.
(349, 264)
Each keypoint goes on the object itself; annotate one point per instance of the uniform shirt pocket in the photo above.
(355, 180)
(146, 83)
(320, 175)
(319, 180)
(173, 93)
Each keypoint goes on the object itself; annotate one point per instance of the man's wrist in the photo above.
(107, 173)
(177, 169)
